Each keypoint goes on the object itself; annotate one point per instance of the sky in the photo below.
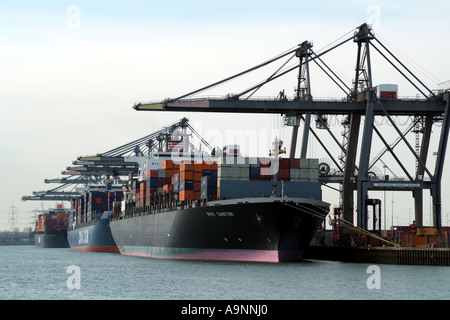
(70, 72)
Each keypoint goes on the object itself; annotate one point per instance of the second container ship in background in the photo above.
(89, 228)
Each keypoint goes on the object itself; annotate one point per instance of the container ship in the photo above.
(228, 208)
(51, 228)
(89, 227)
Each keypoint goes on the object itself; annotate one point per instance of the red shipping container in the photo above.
(283, 174)
(161, 182)
(294, 163)
(197, 186)
(388, 95)
(284, 163)
(152, 174)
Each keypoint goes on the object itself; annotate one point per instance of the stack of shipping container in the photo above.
(188, 181)
(93, 203)
(262, 169)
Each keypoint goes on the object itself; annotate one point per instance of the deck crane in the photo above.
(360, 102)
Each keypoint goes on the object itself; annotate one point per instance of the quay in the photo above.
(383, 255)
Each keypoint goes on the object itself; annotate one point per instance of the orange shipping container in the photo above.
(197, 195)
(198, 167)
(169, 173)
(167, 164)
(186, 175)
(185, 195)
(197, 176)
(176, 165)
(209, 165)
(186, 167)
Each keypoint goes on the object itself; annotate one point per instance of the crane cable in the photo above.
(345, 223)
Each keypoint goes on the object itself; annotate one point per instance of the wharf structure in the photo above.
(362, 104)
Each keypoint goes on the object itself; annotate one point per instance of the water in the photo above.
(29, 273)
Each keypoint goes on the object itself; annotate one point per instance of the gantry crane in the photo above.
(360, 102)
(119, 164)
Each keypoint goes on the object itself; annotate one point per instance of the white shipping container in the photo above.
(313, 174)
(235, 172)
(245, 172)
(313, 163)
(224, 171)
(304, 173)
(294, 173)
(304, 163)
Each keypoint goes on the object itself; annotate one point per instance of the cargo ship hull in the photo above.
(93, 236)
(51, 239)
(257, 229)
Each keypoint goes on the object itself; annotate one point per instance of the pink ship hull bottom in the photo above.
(202, 254)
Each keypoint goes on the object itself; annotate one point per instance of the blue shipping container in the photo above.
(152, 182)
(186, 185)
(254, 172)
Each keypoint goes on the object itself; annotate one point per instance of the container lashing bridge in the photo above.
(361, 104)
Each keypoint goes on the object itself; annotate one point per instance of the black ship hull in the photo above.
(257, 229)
(51, 239)
(94, 236)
